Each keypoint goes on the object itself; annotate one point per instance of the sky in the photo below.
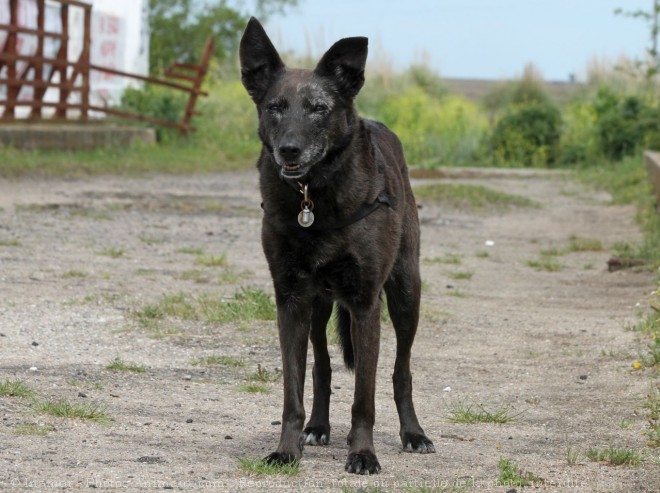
(482, 39)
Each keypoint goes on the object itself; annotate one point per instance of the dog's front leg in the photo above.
(293, 323)
(365, 337)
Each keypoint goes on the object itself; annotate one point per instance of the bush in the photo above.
(433, 130)
(156, 102)
(527, 135)
(625, 123)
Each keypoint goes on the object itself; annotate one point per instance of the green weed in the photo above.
(461, 275)
(512, 475)
(10, 243)
(548, 264)
(653, 417)
(262, 375)
(120, 365)
(579, 244)
(71, 274)
(616, 456)
(449, 259)
(218, 361)
(33, 430)
(65, 409)
(262, 468)
(254, 388)
(190, 251)
(475, 198)
(572, 456)
(211, 260)
(112, 252)
(476, 413)
(15, 388)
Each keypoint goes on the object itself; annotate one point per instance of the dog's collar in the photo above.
(307, 205)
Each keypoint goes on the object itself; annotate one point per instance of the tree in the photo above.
(650, 67)
(179, 28)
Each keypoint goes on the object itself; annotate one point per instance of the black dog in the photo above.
(340, 225)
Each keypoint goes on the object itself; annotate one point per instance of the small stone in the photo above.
(187, 377)
(275, 423)
(33, 368)
(189, 420)
(35, 343)
(229, 437)
(584, 377)
(82, 394)
(447, 389)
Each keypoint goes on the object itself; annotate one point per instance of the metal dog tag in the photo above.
(306, 217)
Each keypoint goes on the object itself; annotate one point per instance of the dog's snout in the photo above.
(290, 151)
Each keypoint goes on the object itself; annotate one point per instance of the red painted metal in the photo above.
(74, 76)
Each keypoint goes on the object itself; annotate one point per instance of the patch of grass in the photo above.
(211, 260)
(112, 252)
(476, 413)
(551, 252)
(65, 409)
(461, 275)
(653, 417)
(572, 455)
(547, 264)
(120, 365)
(246, 305)
(482, 254)
(10, 243)
(218, 361)
(262, 375)
(254, 388)
(31, 429)
(616, 456)
(262, 468)
(152, 240)
(475, 198)
(15, 388)
(579, 244)
(456, 293)
(195, 275)
(190, 250)
(72, 274)
(449, 259)
(512, 475)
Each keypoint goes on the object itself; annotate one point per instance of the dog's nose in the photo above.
(289, 151)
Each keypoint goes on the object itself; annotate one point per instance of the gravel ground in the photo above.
(80, 258)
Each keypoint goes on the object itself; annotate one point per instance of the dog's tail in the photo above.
(344, 333)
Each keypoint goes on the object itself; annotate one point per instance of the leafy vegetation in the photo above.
(512, 475)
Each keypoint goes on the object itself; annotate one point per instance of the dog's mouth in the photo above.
(293, 170)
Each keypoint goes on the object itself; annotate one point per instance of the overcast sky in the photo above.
(471, 38)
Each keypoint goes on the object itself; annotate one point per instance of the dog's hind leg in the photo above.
(317, 431)
(403, 290)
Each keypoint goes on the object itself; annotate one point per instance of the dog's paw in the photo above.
(417, 443)
(316, 435)
(362, 463)
(279, 458)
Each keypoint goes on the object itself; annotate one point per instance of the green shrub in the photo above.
(434, 131)
(527, 135)
(625, 123)
(156, 102)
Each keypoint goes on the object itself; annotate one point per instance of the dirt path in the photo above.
(78, 260)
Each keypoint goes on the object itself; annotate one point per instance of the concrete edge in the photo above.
(652, 159)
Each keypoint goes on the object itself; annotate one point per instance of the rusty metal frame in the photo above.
(192, 73)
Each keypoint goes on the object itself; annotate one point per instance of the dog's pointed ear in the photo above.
(344, 62)
(260, 61)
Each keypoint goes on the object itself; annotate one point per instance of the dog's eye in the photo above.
(320, 108)
(274, 108)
